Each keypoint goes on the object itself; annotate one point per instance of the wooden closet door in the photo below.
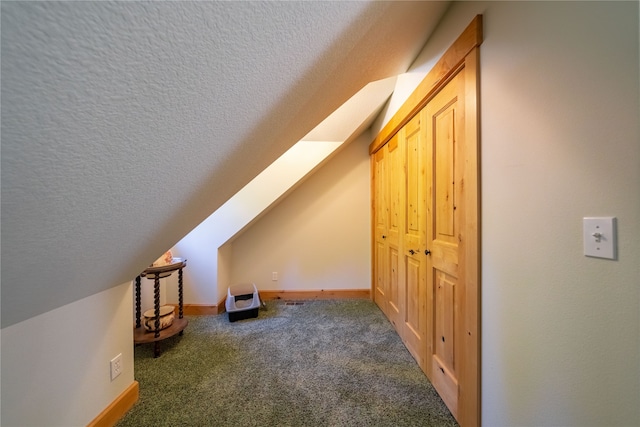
(414, 241)
(444, 281)
(381, 215)
(445, 218)
(396, 179)
(388, 179)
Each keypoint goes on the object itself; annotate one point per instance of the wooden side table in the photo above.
(140, 334)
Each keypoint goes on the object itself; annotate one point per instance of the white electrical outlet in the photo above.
(116, 366)
(274, 276)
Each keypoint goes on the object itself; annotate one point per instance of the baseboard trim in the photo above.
(116, 410)
(321, 294)
(199, 309)
(203, 309)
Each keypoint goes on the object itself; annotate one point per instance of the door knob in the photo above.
(412, 252)
(427, 252)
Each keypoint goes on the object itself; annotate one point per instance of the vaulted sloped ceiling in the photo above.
(125, 124)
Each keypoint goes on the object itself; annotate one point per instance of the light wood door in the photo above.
(445, 219)
(396, 178)
(381, 215)
(388, 172)
(439, 289)
(414, 292)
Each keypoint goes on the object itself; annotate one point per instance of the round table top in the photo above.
(176, 264)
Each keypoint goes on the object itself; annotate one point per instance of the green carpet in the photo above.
(321, 363)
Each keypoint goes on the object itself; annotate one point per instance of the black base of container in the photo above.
(244, 314)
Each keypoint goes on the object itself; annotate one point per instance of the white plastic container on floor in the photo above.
(242, 302)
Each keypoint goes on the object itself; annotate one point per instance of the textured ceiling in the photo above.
(125, 124)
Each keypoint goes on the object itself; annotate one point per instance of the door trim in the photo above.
(446, 66)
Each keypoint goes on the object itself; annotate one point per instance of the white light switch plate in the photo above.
(599, 235)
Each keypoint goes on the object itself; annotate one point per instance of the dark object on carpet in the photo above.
(324, 363)
(242, 302)
(243, 315)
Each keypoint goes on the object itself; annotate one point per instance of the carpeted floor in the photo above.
(321, 363)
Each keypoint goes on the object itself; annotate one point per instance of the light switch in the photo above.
(599, 235)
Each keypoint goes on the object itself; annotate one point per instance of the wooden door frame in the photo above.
(463, 53)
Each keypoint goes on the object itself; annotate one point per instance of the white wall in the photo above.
(55, 366)
(559, 141)
(200, 246)
(319, 236)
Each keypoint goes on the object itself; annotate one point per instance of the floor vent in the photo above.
(294, 303)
